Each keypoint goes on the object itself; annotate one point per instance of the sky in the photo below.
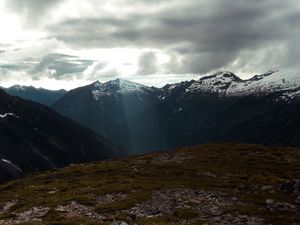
(68, 43)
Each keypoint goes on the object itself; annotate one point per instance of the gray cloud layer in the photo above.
(204, 36)
(198, 36)
(31, 11)
(61, 65)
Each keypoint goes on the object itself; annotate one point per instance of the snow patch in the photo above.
(6, 161)
(119, 86)
(8, 114)
(12, 165)
(227, 83)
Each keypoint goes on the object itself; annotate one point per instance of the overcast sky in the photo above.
(68, 43)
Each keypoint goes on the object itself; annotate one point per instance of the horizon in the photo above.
(162, 84)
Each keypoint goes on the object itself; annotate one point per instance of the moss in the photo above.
(127, 203)
(239, 170)
(187, 213)
(155, 221)
(179, 215)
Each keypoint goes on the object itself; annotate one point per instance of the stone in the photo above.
(234, 199)
(297, 200)
(269, 202)
(123, 223)
(209, 174)
(284, 207)
(266, 188)
(215, 212)
(291, 186)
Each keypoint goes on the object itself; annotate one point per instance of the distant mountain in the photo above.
(228, 84)
(40, 95)
(33, 138)
(216, 108)
(104, 106)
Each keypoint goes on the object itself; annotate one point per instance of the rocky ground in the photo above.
(212, 184)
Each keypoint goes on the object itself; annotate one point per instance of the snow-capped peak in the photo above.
(229, 84)
(262, 76)
(225, 76)
(124, 85)
(119, 86)
(18, 87)
(97, 84)
(216, 83)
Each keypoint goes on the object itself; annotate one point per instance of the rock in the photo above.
(108, 198)
(123, 223)
(243, 218)
(266, 188)
(297, 200)
(73, 209)
(4, 207)
(283, 207)
(32, 214)
(119, 223)
(297, 186)
(269, 202)
(209, 174)
(215, 212)
(291, 186)
(234, 199)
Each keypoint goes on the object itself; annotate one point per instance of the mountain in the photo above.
(40, 95)
(33, 137)
(208, 184)
(104, 106)
(216, 108)
(228, 84)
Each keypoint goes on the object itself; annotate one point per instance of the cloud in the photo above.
(147, 63)
(61, 65)
(196, 36)
(101, 71)
(207, 36)
(31, 11)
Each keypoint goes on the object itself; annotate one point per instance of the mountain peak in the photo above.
(262, 76)
(219, 82)
(97, 84)
(18, 87)
(222, 75)
(120, 86)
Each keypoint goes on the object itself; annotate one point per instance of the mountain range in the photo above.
(40, 95)
(218, 108)
(222, 107)
(33, 138)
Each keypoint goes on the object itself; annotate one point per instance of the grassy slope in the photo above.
(236, 169)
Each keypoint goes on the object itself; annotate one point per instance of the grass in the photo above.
(238, 169)
(177, 216)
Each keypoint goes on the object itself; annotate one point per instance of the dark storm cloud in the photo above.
(202, 36)
(147, 63)
(31, 10)
(61, 65)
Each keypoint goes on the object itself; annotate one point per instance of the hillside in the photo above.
(208, 184)
(33, 138)
(40, 95)
(104, 106)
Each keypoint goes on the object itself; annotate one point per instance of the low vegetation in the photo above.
(212, 183)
